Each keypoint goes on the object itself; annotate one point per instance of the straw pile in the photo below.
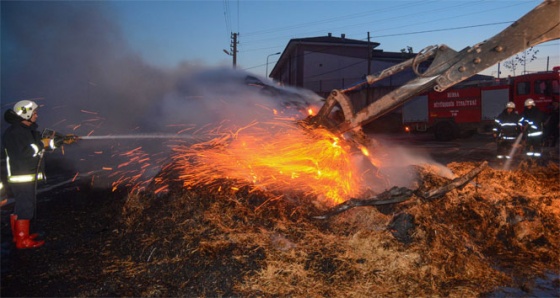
(501, 229)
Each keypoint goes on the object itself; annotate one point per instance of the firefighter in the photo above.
(531, 125)
(24, 148)
(552, 126)
(506, 130)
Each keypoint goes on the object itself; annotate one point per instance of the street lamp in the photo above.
(266, 73)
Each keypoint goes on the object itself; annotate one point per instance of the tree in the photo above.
(522, 59)
(407, 50)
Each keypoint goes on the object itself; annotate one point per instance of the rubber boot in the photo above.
(13, 218)
(23, 240)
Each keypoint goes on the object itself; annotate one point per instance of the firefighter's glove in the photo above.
(58, 141)
(70, 139)
(49, 143)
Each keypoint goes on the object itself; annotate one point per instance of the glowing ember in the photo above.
(88, 112)
(276, 156)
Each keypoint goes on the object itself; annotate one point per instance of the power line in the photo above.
(227, 17)
(441, 16)
(427, 31)
(408, 17)
(373, 13)
(409, 33)
(329, 20)
(446, 29)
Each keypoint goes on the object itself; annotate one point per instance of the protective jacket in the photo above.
(532, 120)
(23, 148)
(506, 125)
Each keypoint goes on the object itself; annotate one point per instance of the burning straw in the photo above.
(275, 156)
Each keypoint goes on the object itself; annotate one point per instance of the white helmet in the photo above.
(25, 108)
(529, 102)
(510, 105)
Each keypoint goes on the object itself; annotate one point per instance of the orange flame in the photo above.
(364, 150)
(277, 156)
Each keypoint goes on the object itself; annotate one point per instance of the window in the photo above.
(523, 88)
(541, 87)
(555, 87)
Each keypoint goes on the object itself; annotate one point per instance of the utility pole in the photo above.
(499, 72)
(368, 66)
(233, 48)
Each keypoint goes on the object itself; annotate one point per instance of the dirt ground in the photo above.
(496, 237)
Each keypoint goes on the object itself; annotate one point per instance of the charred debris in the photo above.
(462, 237)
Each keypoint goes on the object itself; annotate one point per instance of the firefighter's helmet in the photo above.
(529, 102)
(25, 108)
(510, 105)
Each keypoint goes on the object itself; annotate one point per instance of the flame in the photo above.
(276, 156)
(281, 156)
(364, 150)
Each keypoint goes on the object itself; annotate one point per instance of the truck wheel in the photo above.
(446, 131)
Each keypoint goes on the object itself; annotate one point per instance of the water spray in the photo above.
(512, 152)
(139, 136)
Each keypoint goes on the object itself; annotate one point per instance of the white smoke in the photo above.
(397, 162)
(71, 58)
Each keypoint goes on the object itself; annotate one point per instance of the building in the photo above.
(327, 62)
(324, 63)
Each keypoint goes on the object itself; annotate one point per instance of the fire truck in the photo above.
(472, 107)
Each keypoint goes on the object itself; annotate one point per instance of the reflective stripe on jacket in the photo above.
(23, 147)
(506, 125)
(24, 178)
(532, 121)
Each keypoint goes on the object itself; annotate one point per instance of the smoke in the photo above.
(72, 59)
(397, 164)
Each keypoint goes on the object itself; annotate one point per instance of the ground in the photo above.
(498, 236)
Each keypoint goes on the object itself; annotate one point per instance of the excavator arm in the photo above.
(447, 68)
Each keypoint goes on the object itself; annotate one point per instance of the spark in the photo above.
(277, 155)
(88, 112)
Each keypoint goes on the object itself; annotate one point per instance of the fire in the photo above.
(280, 156)
(364, 150)
(276, 156)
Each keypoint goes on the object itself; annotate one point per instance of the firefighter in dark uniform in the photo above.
(506, 130)
(552, 125)
(531, 125)
(24, 147)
